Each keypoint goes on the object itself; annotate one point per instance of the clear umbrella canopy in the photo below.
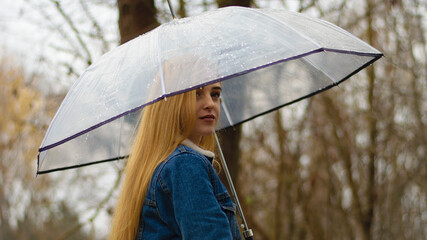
(266, 59)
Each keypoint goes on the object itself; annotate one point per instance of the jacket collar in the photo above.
(200, 150)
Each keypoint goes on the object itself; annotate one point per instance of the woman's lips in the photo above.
(208, 117)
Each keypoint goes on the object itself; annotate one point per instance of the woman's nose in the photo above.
(209, 103)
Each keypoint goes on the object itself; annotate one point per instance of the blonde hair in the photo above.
(164, 125)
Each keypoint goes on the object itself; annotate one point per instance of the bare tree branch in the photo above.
(99, 33)
(77, 34)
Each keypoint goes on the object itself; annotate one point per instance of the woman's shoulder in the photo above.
(183, 166)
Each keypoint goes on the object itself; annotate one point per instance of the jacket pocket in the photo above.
(229, 209)
(226, 203)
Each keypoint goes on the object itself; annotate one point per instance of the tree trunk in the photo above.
(226, 3)
(135, 18)
(372, 121)
(231, 137)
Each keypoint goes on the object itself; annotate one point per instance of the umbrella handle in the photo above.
(247, 233)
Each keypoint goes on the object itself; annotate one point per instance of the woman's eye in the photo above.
(215, 94)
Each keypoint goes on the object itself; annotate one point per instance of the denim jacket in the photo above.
(186, 200)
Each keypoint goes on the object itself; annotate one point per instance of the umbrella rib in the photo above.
(40, 172)
(227, 113)
(315, 66)
(162, 81)
(120, 136)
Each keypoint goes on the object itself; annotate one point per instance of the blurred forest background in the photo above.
(349, 163)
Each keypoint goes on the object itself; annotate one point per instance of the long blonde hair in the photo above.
(164, 125)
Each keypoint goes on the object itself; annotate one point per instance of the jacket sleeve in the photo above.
(196, 209)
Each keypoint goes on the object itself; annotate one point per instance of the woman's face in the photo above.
(207, 111)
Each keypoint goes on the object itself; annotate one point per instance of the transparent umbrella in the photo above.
(265, 58)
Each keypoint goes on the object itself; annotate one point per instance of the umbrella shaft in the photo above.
(247, 232)
(171, 9)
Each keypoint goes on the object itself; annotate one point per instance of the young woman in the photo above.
(171, 189)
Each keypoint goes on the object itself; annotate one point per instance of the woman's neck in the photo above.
(195, 139)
